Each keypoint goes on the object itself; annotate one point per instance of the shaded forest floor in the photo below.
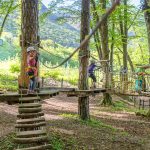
(110, 128)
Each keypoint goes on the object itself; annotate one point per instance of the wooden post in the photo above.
(83, 102)
(29, 34)
(143, 104)
(62, 83)
(140, 104)
(42, 82)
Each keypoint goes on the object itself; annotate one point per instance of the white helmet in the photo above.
(30, 49)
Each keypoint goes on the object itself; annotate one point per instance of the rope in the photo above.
(87, 38)
(104, 17)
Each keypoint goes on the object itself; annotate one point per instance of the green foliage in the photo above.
(15, 68)
(67, 74)
(122, 106)
(56, 142)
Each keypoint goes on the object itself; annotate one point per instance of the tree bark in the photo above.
(124, 35)
(107, 99)
(29, 30)
(83, 102)
(97, 34)
(6, 16)
(147, 20)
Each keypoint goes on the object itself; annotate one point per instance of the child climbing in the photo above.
(140, 84)
(32, 68)
(91, 74)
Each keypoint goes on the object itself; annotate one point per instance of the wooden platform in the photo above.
(57, 88)
(11, 97)
(83, 93)
(146, 94)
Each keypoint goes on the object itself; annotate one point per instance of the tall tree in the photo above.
(124, 36)
(107, 99)
(146, 7)
(83, 102)
(29, 29)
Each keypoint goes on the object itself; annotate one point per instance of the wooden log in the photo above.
(29, 115)
(30, 110)
(30, 140)
(27, 134)
(30, 125)
(30, 105)
(84, 93)
(29, 99)
(32, 120)
(41, 147)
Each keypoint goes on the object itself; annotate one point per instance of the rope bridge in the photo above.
(123, 83)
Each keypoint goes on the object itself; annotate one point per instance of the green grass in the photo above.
(7, 143)
(57, 142)
(119, 105)
(92, 122)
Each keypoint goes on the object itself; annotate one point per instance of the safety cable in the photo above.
(87, 38)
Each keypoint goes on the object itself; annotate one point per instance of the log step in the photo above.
(27, 134)
(29, 99)
(32, 120)
(30, 125)
(30, 110)
(42, 147)
(29, 115)
(31, 140)
(29, 105)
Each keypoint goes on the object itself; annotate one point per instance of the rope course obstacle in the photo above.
(31, 125)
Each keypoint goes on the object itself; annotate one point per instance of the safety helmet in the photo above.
(30, 49)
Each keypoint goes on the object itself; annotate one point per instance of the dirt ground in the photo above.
(112, 130)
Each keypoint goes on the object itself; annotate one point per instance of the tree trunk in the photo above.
(107, 99)
(83, 102)
(96, 35)
(147, 20)
(111, 60)
(6, 16)
(29, 29)
(124, 35)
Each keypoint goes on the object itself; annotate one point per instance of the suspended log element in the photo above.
(30, 105)
(42, 147)
(31, 140)
(33, 120)
(29, 115)
(27, 134)
(30, 125)
(29, 98)
(30, 110)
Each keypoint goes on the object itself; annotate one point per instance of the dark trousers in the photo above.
(32, 83)
(92, 76)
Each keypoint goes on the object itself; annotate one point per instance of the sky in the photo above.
(136, 2)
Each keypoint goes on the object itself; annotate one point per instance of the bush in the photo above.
(14, 68)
